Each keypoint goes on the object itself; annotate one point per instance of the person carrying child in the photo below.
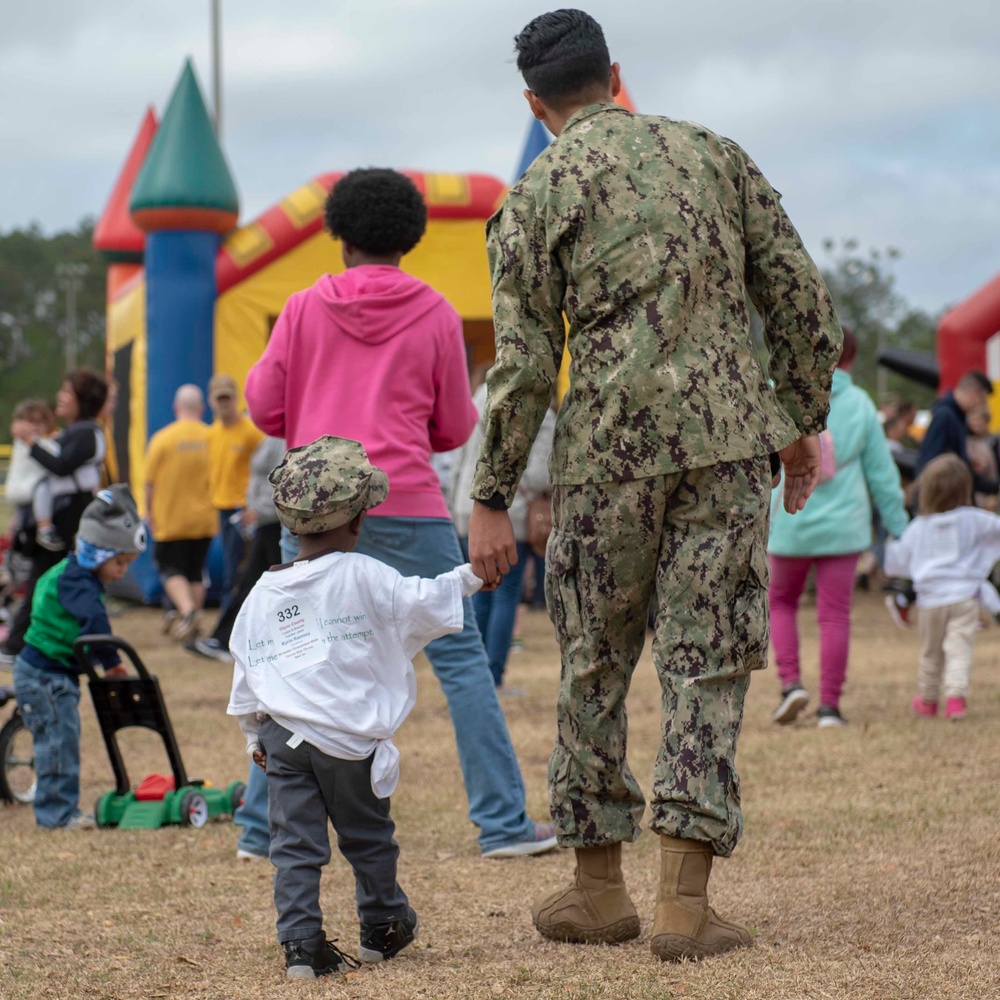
(322, 679)
(25, 476)
(69, 602)
(947, 551)
(72, 461)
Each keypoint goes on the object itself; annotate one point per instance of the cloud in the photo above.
(874, 120)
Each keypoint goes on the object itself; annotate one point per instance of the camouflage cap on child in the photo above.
(326, 484)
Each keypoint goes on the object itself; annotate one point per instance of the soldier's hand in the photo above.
(492, 549)
(801, 460)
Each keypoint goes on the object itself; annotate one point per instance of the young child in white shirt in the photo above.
(322, 680)
(948, 551)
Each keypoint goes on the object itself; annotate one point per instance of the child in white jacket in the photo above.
(948, 551)
(323, 678)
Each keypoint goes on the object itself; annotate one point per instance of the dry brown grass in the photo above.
(870, 866)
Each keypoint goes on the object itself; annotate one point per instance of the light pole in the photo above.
(217, 65)
(70, 280)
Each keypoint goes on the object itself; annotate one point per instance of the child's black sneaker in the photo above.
(380, 942)
(828, 717)
(794, 698)
(313, 957)
(50, 539)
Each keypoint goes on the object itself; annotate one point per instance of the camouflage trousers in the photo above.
(695, 543)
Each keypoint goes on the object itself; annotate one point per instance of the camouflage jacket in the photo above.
(649, 235)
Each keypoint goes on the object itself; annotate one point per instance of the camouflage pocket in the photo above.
(562, 593)
(749, 615)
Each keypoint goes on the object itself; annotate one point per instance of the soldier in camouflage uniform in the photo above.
(649, 235)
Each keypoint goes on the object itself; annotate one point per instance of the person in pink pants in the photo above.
(830, 535)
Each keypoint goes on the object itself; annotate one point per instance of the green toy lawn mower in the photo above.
(122, 702)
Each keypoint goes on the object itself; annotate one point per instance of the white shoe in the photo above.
(793, 700)
(242, 855)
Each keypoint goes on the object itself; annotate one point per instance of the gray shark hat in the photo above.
(111, 521)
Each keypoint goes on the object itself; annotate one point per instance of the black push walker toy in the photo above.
(122, 702)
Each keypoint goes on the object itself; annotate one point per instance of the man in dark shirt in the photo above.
(948, 433)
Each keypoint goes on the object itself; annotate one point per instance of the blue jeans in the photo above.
(427, 547)
(50, 707)
(232, 554)
(495, 613)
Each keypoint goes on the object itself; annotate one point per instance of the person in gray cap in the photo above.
(323, 677)
(69, 602)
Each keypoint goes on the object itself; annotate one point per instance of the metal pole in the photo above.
(217, 65)
(71, 281)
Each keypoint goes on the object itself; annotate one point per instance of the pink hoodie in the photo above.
(375, 355)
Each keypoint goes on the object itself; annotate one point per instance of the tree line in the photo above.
(34, 327)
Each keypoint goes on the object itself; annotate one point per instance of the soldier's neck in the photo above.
(555, 119)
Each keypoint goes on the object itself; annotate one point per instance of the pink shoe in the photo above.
(921, 707)
(954, 709)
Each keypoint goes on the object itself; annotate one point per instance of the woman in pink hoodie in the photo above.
(375, 355)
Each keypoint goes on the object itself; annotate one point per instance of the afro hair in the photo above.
(377, 211)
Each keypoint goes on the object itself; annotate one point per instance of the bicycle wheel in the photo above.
(17, 762)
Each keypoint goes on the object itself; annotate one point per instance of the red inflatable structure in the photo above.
(965, 333)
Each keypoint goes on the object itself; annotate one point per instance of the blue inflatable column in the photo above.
(180, 317)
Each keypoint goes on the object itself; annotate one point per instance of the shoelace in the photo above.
(349, 960)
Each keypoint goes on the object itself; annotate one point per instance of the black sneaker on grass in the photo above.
(210, 648)
(828, 717)
(313, 957)
(794, 698)
(380, 942)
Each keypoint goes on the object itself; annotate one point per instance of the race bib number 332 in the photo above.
(295, 636)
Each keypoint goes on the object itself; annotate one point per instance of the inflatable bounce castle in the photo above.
(190, 294)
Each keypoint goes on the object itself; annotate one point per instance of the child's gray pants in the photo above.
(304, 787)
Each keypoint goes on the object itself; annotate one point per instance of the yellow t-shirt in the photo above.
(231, 448)
(177, 465)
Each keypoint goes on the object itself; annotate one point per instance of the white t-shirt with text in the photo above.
(324, 646)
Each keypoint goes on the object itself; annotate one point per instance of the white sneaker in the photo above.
(242, 855)
(81, 821)
(543, 839)
(793, 700)
(829, 717)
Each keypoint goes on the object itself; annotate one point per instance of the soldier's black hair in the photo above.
(562, 54)
(377, 211)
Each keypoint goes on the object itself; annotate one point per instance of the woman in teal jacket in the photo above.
(831, 533)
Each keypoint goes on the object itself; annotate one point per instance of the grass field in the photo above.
(870, 867)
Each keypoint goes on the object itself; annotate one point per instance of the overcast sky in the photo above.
(877, 119)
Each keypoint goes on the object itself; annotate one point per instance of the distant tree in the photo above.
(33, 324)
(863, 288)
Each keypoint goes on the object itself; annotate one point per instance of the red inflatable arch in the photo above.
(964, 334)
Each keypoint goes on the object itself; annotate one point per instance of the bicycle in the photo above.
(17, 756)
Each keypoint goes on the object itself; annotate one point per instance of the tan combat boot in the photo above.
(685, 926)
(595, 909)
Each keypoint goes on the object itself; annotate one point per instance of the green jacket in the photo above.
(651, 236)
(68, 602)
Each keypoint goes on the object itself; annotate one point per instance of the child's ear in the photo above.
(355, 525)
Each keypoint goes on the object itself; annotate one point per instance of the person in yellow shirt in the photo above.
(179, 508)
(233, 440)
